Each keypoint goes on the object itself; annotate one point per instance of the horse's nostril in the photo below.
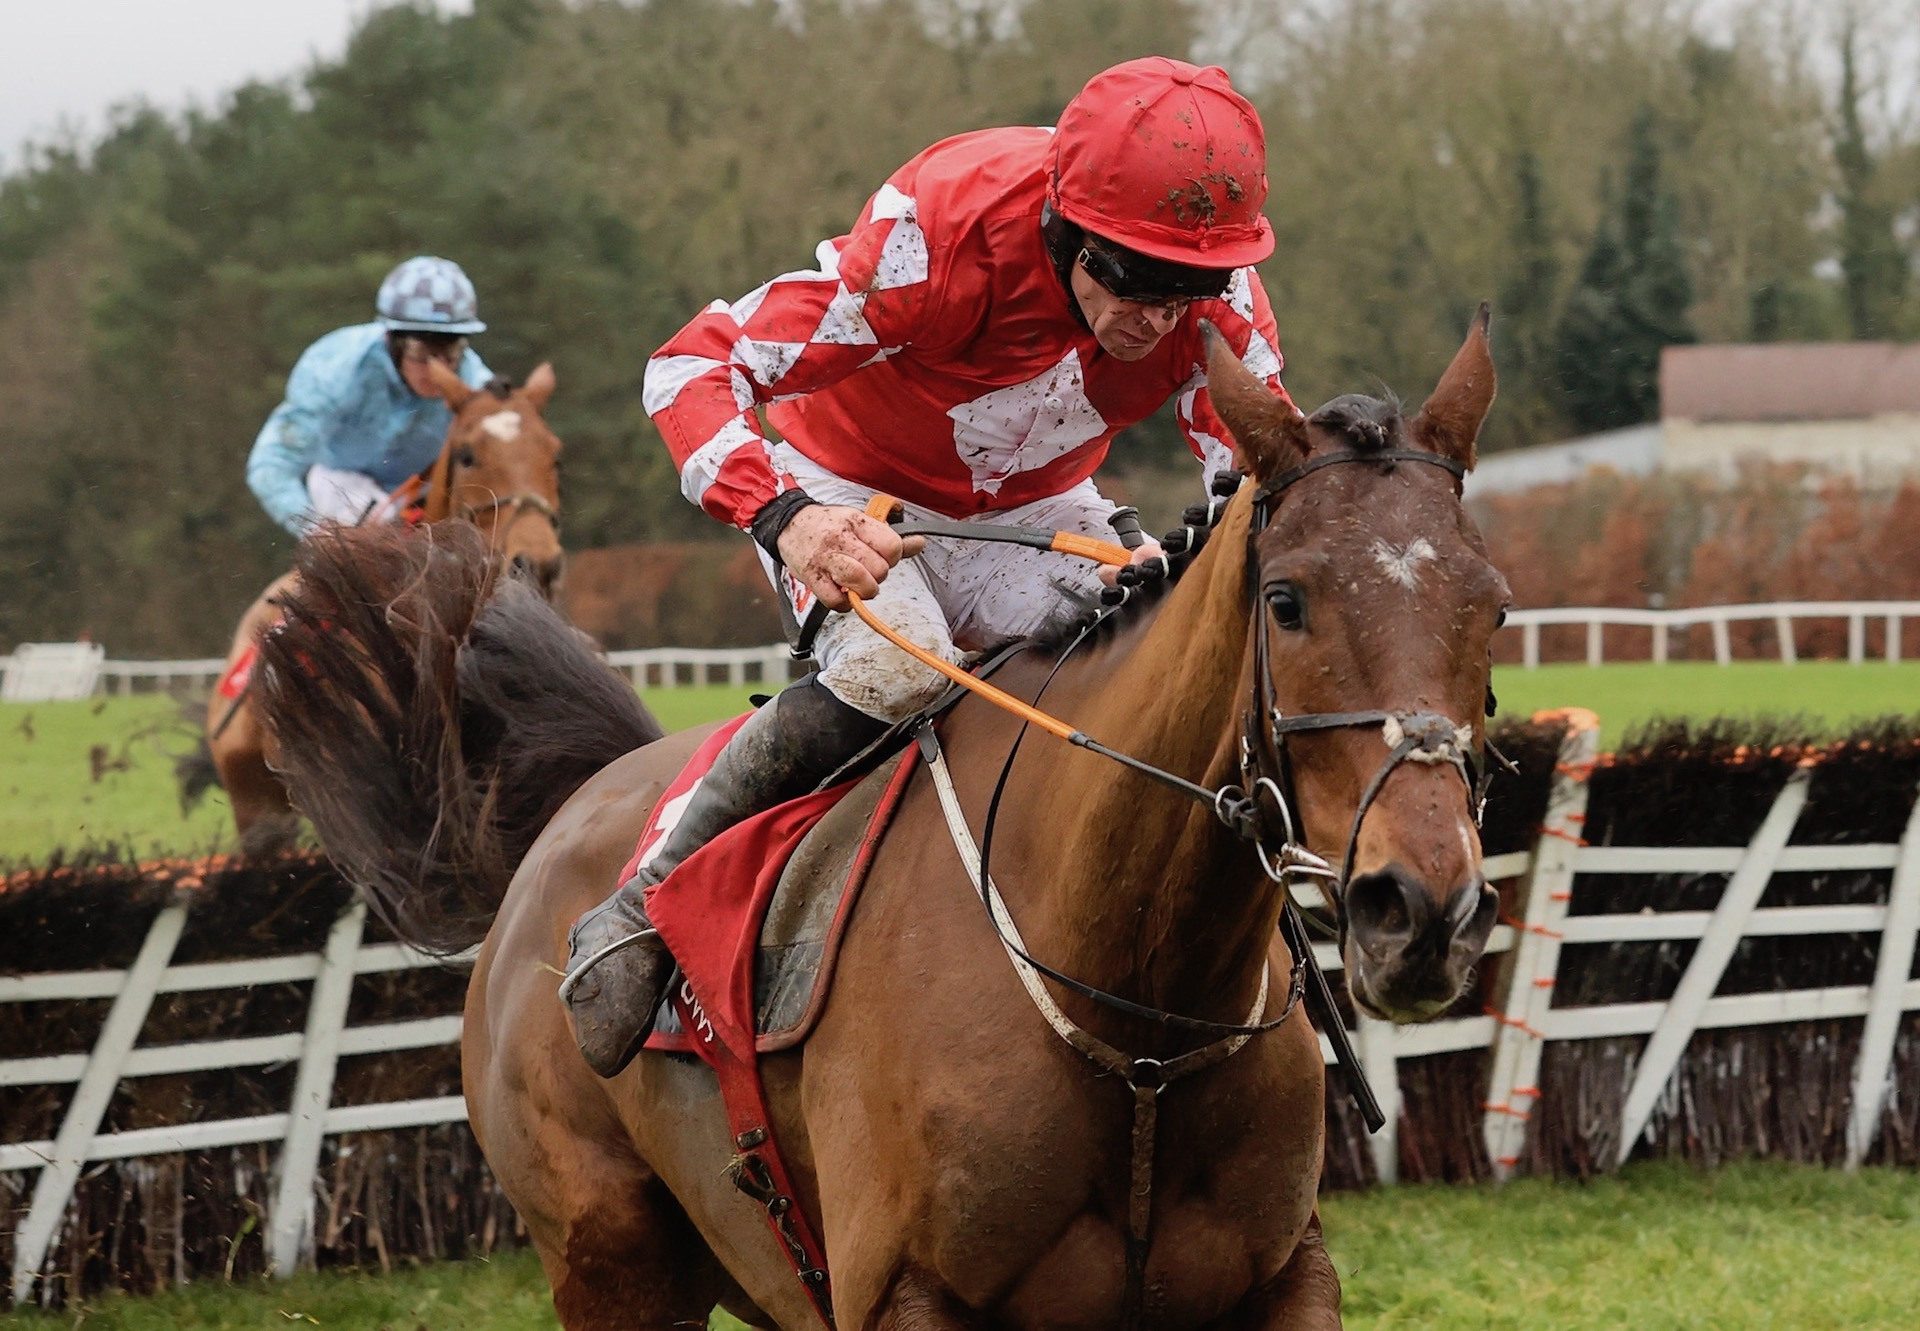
(522, 565)
(1382, 904)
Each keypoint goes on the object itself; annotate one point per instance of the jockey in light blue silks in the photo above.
(362, 413)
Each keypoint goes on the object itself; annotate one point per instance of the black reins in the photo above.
(1425, 737)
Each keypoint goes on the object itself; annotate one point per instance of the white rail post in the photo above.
(1856, 639)
(1593, 643)
(1724, 932)
(1783, 629)
(1529, 645)
(1722, 642)
(290, 1240)
(1660, 642)
(1381, 1065)
(1893, 640)
(1513, 1082)
(90, 1098)
(1890, 971)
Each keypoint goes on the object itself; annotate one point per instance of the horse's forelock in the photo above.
(500, 386)
(1364, 424)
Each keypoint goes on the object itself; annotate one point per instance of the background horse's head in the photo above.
(1378, 595)
(500, 470)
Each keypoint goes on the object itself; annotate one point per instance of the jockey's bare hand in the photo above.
(835, 550)
(1147, 549)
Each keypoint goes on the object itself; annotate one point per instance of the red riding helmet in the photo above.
(1167, 159)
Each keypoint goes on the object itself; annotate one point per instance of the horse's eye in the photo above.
(463, 457)
(1501, 622)
(1288, 604)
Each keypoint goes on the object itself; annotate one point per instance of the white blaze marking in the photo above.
(1403, 566)
(502, 425)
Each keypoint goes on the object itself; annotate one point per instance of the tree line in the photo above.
(1614, 179)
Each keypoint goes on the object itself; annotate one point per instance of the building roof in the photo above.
(1789, 381)
(1634, 451)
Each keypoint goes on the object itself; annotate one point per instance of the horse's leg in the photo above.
(917, 1302)
(1303, 1296)
(262, 814)
(629, 1257)
(236, 741)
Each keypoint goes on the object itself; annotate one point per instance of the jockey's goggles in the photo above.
(1135, 277)
(419, 350)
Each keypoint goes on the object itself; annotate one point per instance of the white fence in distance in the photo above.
(1517, 1032)
(32, 675)
(1663, 625)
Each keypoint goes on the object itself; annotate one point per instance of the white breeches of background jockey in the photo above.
(345, 496)
(954, 598)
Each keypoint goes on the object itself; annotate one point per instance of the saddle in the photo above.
(786, 933)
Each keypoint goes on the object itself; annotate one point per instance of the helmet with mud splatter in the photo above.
(1166, 159)
(427, 294)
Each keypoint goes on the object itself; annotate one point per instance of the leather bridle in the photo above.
(516, 504)
(1420, 737)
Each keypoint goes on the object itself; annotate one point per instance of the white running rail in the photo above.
(1663, 625)
(773, 664)
(1515, 1031)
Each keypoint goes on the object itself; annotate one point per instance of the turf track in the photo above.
(1746, 1247)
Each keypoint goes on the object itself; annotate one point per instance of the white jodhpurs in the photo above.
(955, 598)
(348, 497)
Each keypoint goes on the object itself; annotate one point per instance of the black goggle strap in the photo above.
(1138, 278)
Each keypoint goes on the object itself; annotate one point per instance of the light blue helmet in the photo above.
(429, 295)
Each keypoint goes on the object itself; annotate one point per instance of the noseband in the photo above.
(1420, 737)
(515, 504)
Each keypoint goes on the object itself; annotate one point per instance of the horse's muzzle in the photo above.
(544, 574)
(1409, 953)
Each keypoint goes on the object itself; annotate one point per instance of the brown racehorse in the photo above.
(964, 1167)
(498, 470)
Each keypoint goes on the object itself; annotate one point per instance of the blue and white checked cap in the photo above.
(429, 295)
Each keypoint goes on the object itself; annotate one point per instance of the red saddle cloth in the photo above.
(240, 673)
(710, 910)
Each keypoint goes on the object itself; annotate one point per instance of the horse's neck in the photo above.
(1145, 892)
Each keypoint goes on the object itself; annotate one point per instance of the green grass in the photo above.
(52, 794)
(73, 773)
(1747, 1247)
(1829, 693)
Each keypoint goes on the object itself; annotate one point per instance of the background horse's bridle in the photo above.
(516, 503)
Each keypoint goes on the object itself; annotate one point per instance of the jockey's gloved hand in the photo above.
(1147, 555)
(835, 550)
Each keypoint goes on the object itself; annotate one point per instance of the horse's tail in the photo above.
(432, 716)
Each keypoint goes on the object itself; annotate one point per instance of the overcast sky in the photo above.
(66, 62)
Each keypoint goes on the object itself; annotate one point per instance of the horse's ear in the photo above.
(540, 386)
(1269, 433)
(1450, 421)
(453, 389)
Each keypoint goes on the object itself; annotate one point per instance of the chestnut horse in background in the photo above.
(499, 469)
(468, 765)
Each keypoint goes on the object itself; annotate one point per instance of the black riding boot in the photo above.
(617, 968)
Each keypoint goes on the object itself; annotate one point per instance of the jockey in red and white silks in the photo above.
(936, 354)
(1004, 305)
